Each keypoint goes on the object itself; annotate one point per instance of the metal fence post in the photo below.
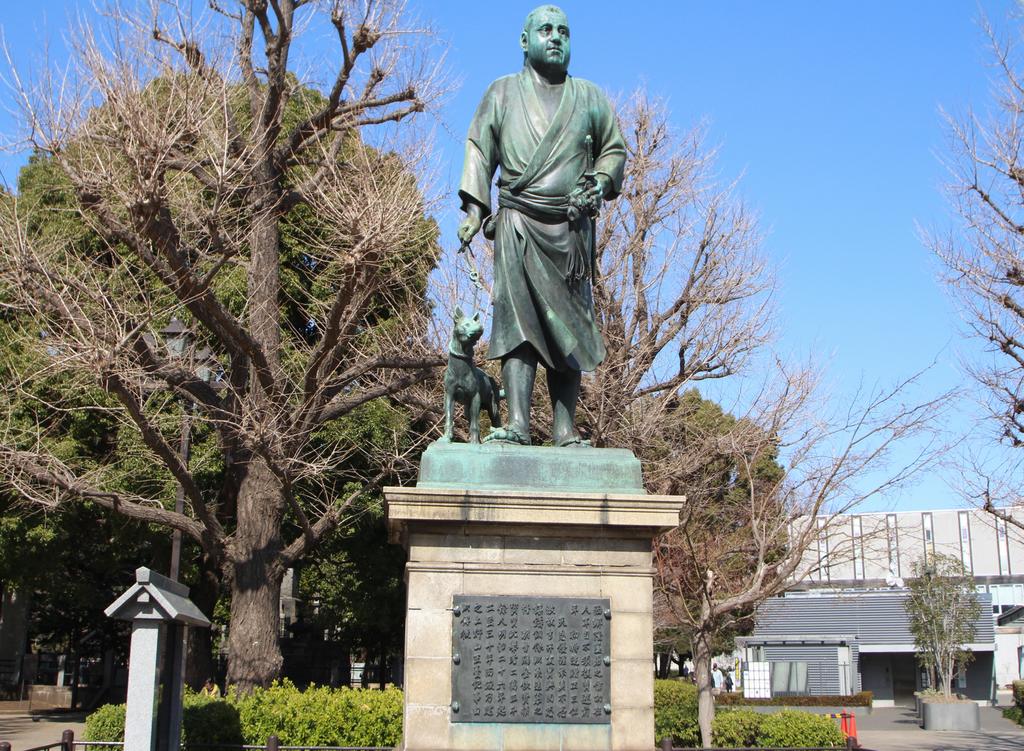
(67, 740)
(273, 743)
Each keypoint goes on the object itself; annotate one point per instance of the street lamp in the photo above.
(177, 338)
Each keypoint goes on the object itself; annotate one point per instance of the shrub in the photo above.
(675, 712)
(318, 716)
(790, 728)
(861, 699)
(203, 721)
(1014, 714)
(321, 716)
(106, 724)
(209, 721)
(736, 728)
(1018, 693)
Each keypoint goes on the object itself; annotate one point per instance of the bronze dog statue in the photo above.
(466, 384)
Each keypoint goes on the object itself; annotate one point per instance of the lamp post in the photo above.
(177, 338)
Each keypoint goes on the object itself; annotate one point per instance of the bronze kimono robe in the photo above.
(537, 249)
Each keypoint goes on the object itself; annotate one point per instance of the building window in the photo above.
(858, 547)
(929, 537)
(965, 541)
(789, 678)
(1003, 547)
(892, 533)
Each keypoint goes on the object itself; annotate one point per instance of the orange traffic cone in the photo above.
(852, 729)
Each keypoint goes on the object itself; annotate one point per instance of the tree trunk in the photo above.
(346, 667)
(664, 664)
(705, 696)
(199, 664)
(946, 677)
(254, 655)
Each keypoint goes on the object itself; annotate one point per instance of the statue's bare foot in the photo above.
(572, 441)
(508, 434)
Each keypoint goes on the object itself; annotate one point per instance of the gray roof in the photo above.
(155, 597)
(867, 617)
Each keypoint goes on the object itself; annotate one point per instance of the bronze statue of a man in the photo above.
(561, 153)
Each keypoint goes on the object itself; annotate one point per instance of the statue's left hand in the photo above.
(601, 188)
(593, 194)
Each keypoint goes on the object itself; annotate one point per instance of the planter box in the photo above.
(772, 708)
(961, 715)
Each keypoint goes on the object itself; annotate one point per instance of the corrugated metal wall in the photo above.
(870, 618)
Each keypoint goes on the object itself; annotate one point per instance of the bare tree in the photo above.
(983, 258)
(749, 530)
(229, 190)
(683, 298)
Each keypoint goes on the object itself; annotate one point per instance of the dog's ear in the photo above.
(459, 315)
(476, 316)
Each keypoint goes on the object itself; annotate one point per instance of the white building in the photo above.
(850, 611)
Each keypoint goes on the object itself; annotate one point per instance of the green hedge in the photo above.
(1018, 693)
(203, 720)
(791, 728)
(675, 715)
(318, 716)
(321, 716)
(1016, 714)
(736, 728)
(861, 699)
(106, 724)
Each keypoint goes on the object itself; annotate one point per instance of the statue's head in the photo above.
(545, 39)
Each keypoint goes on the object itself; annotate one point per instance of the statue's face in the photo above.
(546, 41)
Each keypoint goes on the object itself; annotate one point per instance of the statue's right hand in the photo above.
(469, 227)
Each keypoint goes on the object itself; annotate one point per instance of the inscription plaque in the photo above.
(531, 659)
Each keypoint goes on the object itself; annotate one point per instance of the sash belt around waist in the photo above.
(579, 261)
(555, 211)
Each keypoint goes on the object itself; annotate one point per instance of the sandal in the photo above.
(507, 434)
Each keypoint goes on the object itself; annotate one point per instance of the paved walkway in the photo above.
(897, 730)
(24, 731)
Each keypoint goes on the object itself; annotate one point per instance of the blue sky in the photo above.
(829, 110)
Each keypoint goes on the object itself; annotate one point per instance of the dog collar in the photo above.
(460, 355)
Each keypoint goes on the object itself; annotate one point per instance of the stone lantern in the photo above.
(159, 610)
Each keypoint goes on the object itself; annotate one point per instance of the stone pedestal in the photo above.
(540, 538)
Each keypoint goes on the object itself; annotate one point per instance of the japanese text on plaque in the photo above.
(530, 659)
